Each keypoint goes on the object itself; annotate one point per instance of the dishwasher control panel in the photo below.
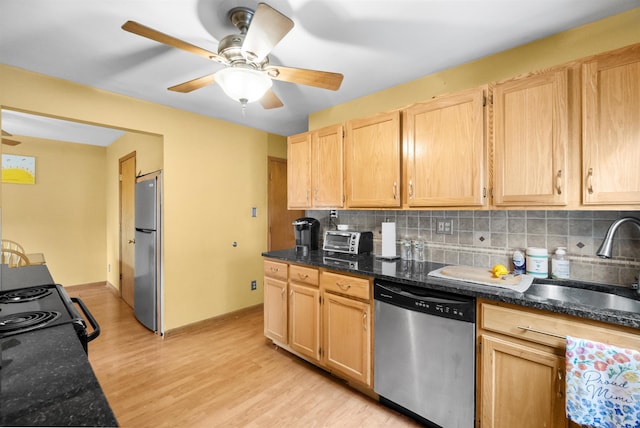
(431, 302)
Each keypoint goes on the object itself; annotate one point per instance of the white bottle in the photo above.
(560, 264)
(537, 262)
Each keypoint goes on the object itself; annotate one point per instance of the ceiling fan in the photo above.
(7, 141)
(247, 75)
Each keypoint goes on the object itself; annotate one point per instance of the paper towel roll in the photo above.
(388, 239)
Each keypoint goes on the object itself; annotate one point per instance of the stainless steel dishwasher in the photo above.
(424, 354)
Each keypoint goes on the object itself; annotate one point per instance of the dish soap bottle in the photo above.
(560, 264)
(518, 262)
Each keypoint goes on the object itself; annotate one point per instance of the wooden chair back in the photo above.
(14, 258)
(12, 245)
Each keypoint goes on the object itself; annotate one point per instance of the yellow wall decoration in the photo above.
(18, 169)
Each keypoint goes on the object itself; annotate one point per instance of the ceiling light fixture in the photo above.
(243, 83)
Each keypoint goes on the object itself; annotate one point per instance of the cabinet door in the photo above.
(445, 142)
(531, 139)
(347, 337)
(372, 156)
(328, 167)
(299, 171)
(304, 320)
(611, 128)
(275, 309)
(521, 386)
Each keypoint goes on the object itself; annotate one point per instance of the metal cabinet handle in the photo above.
(559, 182)
(274, 269)
(364, 320)
(559, 393)
(132, 241)
(303, 277)
(590, 181)
(395, 190)
(410, 189)
(282, 293)
(343, 286)
(533, 330)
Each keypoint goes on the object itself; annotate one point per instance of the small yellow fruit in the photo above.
(499, 270)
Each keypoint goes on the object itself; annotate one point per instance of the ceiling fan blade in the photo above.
(319, 79)
(270, 100)
(150, 33)
(9, 142)
(267, 28)
(194, 84)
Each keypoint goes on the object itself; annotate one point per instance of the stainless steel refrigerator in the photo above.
(148, 244)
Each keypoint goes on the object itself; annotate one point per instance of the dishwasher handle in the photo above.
(387, 293)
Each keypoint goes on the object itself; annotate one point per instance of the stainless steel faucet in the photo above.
(605, 248)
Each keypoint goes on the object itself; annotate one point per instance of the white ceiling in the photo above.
(376, 44)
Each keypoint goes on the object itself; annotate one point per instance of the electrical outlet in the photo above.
(254, 285)
(333, 214)
(444, 227)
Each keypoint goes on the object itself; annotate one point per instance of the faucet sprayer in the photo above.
(605, 248)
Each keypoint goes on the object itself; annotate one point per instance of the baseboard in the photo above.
(190, 328)
(89, 285)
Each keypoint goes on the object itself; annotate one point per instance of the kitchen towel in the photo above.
(603, 384)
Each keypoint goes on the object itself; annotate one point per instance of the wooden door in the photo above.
(531, 139)
(347, 337)
(279, 218)
(328, 167)
(372, 158)
(299, 171)
(304, 320)
(445, 140)
(275, 309)
(521, 386)
(127, 171)
(611, 128)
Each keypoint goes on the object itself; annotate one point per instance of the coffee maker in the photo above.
(306, 231)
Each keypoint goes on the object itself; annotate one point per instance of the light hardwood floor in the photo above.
(225, 374)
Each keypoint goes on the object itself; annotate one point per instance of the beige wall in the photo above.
(63, 214)
(214, 172)
(149, 158)
(607, 34)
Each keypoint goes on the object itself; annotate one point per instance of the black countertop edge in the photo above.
(47, 381)
(416, 274)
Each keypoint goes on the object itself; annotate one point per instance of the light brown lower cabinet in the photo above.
(347, 337)
(521, 364)
(304, 320)
(322, 316)
(522, 386)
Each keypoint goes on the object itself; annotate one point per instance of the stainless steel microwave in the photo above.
(347, 241)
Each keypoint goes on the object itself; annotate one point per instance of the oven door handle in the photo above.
(96, 328)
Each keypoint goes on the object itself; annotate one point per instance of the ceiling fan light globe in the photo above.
(244, 85)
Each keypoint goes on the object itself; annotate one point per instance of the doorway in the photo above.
(279, 218)
(127, 174)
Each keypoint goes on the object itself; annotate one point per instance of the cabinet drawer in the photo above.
(347, 285)
(275, 270)
(551, 329)
(303, 275)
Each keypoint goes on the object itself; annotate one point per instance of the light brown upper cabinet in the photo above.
(531, 122)
(315, 176)
(446, 151)
(327, 167)
(299, 171)
(372, 161)
(611, 127)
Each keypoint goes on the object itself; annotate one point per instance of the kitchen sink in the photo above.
(582, 296)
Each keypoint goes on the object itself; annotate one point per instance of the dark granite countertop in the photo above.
(47, 381)
(416, 274)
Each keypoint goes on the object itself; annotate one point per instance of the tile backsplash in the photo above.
(484, 238)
